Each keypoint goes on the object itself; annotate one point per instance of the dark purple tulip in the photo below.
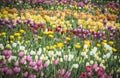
(9, 26)
(25, 21)
(12, 21)
(103, 11)
(31, 25)
(84, 37)
(111, 34)
(7, 22)
(34, 23)
(104, 22)
(78, 31)
(79, 27)
(2, 23)
(111, 38)
(14, 25)
(18, 21)
(28, 21)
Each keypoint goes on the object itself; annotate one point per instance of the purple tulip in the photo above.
(89, 74)
(22, 61)
(46, 64)
(32, 64)
(1, 70)
(40, 67)
(56, 62)
(9, 72)
(16, 63)
(4, 61)
(18, 21)
(39, 62)
(21, 54)
(9, 26)
(14, 26)
(63, 71)
(7, 53)
(35, 68)
(28, 58)
(67, 74)
(7, 22)
(28, 21)
(25, 21)
(16, 69)
(81, 4)
(32, 76)
(94, 66)
(25, 74)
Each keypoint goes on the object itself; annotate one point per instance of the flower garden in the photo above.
(59, 39)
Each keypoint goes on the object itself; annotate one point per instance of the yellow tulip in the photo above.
(60, 45)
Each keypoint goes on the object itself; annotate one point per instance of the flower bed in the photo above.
(65, 41)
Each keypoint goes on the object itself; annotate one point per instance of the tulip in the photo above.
(16, 69)
(9, 72)
(16, 63)
(39, 62)
(88, 68)
(22, 61)
(21, 54)
(83, 75)
(32, 64)
(25, 74)
(56, 62)
(32, 76)
(28, 58)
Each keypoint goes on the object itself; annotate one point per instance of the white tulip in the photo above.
(75, 66)
(1, 46)
(13, 57)
(22, 48)
(14, 44)
(32, 52)
(36, 57)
